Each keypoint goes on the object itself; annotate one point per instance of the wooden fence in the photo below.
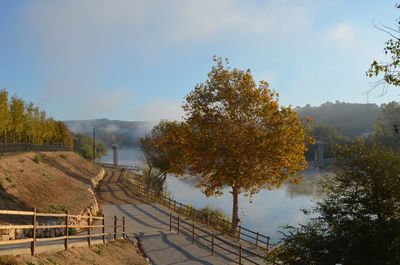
(66, 226)
(234, 252)
(131, 168)
(21, 147)
(255, 239)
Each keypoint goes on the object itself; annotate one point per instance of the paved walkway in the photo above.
(150, 222)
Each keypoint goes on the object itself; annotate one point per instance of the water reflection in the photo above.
(268, 211)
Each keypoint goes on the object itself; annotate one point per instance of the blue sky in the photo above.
(136, 60)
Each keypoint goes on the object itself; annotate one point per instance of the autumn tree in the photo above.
(26, 123)
(235, 134)
(4, 114)
(159, 161)
(17, 109)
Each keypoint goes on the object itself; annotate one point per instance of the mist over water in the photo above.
(267, 212)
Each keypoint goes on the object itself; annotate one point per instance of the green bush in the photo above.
(64, 156)
(57, 209)
(38, 159)
(72, 231)
(100, 250)
(47, 176)
(9, 179)
(358, 220)
(213, 212)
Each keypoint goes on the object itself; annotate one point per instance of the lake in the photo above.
(266, 213)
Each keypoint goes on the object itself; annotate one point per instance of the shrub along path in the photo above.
(150, 222)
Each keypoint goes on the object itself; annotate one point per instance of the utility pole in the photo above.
(94, 145)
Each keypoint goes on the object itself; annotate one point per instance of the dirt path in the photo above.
(150, 222)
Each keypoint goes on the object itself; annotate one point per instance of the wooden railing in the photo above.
(35, 226)
(216, 244)
(255, 239)
(109, 165)
(22, 147)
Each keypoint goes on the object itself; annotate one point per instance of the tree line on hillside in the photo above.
(352, 119)
(22, 122)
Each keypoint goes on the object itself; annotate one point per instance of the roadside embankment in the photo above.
(49, 181)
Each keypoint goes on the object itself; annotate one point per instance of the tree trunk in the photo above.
(235, 211)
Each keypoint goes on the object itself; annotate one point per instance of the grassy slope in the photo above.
(45, 180)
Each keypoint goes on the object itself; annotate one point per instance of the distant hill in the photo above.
(353, 119)
(123, 133)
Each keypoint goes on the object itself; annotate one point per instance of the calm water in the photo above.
(268, 211)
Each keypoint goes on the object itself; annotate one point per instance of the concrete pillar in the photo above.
(115, 155)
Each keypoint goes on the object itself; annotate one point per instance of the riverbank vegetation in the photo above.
(83, 145)
(358, 221)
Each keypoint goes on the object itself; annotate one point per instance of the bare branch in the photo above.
(386, 31)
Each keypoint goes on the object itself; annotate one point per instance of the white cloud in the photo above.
(82, 100)
(77, 30)
(159, 109)
(81, 39)
(341, 35)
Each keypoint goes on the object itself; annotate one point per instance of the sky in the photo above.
(136, 59)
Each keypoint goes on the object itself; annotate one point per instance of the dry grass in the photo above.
(45, 180)
(120, 252)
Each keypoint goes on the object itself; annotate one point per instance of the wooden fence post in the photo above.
(267, 248)
(240, 254)
(212, 244)
(169, 203)
(192, 233)
(104, 230)
(257, 235)
(33, 232)
(89, 220)
(66, 231)
(208, 219)
(123, 227)
(178, 223)
(115, 228)
(170, 221)
(240, 232)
